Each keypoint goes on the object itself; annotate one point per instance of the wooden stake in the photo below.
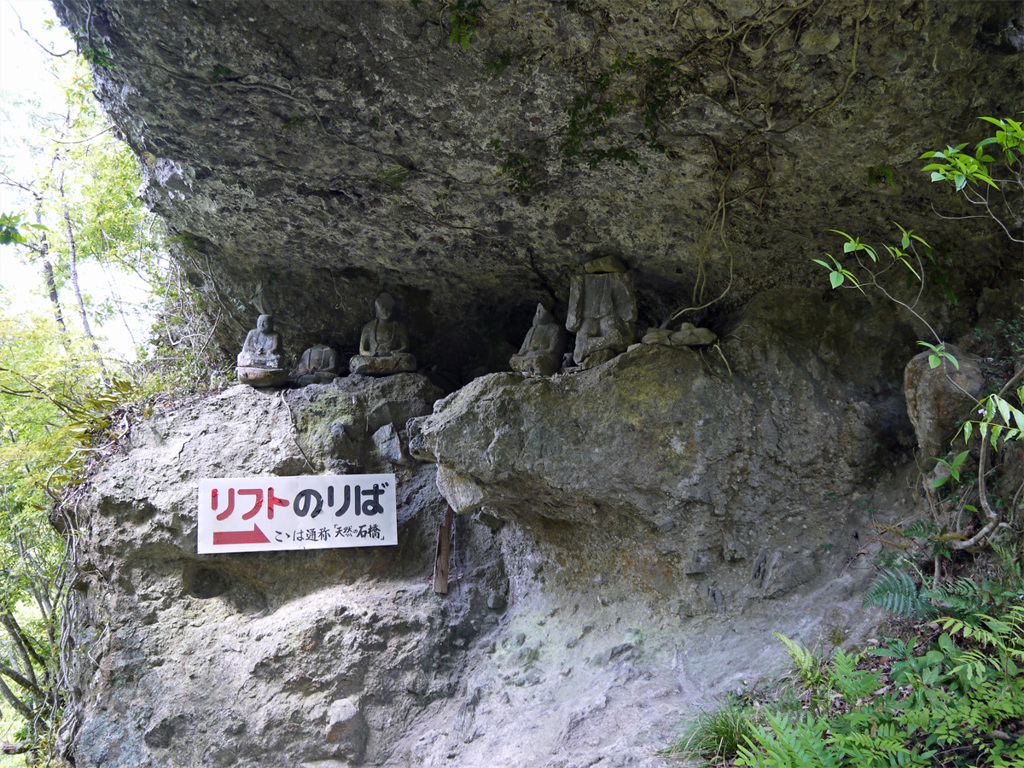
(442, 553)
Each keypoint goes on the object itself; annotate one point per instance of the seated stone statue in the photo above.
(602, 312)
(384, 343)
(259, 362)
(318, 365)
(543, 347)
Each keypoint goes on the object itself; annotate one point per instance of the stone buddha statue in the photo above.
(259, 362)
(543, 348)
(383, 344)
(318, 365)
(602, 311)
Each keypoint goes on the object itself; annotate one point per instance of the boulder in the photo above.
(940, 398)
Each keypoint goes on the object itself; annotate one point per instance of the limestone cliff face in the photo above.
(631, 535)
(320, 151)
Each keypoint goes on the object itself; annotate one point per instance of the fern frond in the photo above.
(897, 593)
(919, 529)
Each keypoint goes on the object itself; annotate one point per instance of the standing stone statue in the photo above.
(318, 365)
(259, 362)
(602, 311)
(543, 348)
(384, 343)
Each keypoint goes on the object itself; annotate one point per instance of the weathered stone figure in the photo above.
(318, 365)
(384, 343)
(259, 362)
(543, 348)
(688, 335)
(602, 312)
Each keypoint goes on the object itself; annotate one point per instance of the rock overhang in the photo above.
(316, 153)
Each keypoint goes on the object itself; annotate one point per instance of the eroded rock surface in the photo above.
(633, 535)
(269, 659)
(707, 476)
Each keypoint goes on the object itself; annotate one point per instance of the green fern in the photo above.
(897, 593)
(464, 22)
(971, 600)
(785, 744)
(852, 683)
(809, 668)
(952, 704)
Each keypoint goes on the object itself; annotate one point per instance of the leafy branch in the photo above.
(872, 264)
(975, 175)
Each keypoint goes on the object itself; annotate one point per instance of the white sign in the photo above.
(263, 514)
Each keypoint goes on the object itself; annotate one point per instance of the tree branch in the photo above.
(14, 701)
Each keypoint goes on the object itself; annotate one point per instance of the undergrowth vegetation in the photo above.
(949, 692)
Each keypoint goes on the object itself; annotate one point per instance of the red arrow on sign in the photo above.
(255, 536)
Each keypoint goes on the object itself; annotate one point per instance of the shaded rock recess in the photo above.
(311, 154)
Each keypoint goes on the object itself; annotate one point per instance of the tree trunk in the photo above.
(73, 270)
(51, 282)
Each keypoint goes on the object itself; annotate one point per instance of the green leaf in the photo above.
(1018, 417)
(1004, 408)
(960, 458)
(912, 270)
(990, 409)
(836, 278)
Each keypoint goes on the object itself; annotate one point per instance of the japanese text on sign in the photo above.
(258, 514)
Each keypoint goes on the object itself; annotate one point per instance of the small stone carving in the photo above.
(688, 335)
(384, 343)
(543, 348)
(602, 311)
(318, 365)
(259, 362)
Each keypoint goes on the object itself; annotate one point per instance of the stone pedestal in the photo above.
(384, 365)
(261, 377)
